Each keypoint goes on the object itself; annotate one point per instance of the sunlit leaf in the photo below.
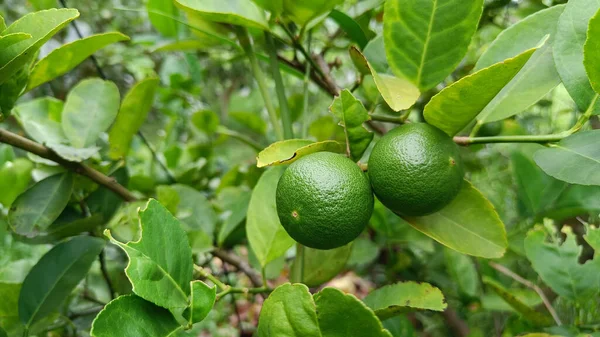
(288, 151)
(236, 12)
(591, 52)
(352, 115)
(403, 297)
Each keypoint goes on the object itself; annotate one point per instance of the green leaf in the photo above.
(571, 35)
(469, 224)
(352, 114)
(403, 297)
(235, 12)
(73, 154)
(289, 312)
(41, 26)
(319, 266)
(522, 36)
(374, 51)
(10, 39)
(350, 27)
(273, 6)
(288, 151)
(575, 159)
(9, 307)
(164, 25)
(41, 119)
(267, 238)
(206, 120)
(59, 231)
(453, 108)
(63, 59)
(14, 179)
(591, 52)
(90, 109)
(2, 24)
(558, 265)
(194, 209)
(55, 276)
(424, 42)
(307, 12)
(340, 313)
(202, 301)
(463, 272)
(234, 201)
(491, 301)
(133, 112)
(132, 316)
(40, 205)
(160, 262)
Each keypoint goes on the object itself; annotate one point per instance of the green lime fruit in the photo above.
(324, 200)
(415, 169)
(490, 129)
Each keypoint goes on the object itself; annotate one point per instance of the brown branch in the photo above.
(240, 264)
(314, 76)
(455, 323)
(23, 143)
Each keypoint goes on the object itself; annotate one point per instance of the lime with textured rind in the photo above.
(324, 200)
(415, 169)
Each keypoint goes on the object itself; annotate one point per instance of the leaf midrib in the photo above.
(426, 43)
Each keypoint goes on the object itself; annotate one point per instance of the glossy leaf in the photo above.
(40, 205)
(374, 51)
(425, 41)
(558, 265)
(132, 316)
(2, 24)
(340, 313)
(55, 276)
(352, 115)
(403, 297)
(59, 231)
(14, 179)
(10, 39)
(304, 12)
(350, 27)
(160, 262)
(267, 238)
(469, 224)
(453, 108)
(235, 12)
(41, 119)
(163, 24)
(202, 301)
(132, 114)
(575, 159)
(41, 26)
(463, 272)
(288, 151)
(319, 266)
(63, 59)
(90, 109)
(289, 311)
(273, 6)
(591, 52)
(571, 35)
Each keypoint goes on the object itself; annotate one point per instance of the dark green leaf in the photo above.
(350, 27)
(463, 272)
(234, 201)
(403, 297)
(352, 115)
(60, 231)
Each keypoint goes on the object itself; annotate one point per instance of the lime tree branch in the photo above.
(227, 289)
(540, 139)
(240, 264)
(23, 143)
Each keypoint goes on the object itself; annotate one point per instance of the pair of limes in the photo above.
(324, 200)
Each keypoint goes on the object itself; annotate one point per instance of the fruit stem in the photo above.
(388, 119)
(300, 257)
(286, 119)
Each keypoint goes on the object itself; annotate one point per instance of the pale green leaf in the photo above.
(2, 24)
(132, 316)
(41, 26)
(351, 115)
(375, 52)
(163, 24)
(55, 276)
(194, 209)
(340, 313)
(303, 12)
(425, 41)
(14, 179)
(133, 112)
(40, 205)
(9, 306)
(453, 108)
(236, 12)
(234, 201)
(73, 154)
(61, 60)
(469, 224)
(575, 159)
(288, 151)
(591, 52)
(267, 238)
(289, 311)
(90, 109)
(41, 119)
(160, 262)
(491, 301)
(319, 266)
(569, 49)
(202, 301)
(273, 6)
(463, 272)
(403, 297)
(10, 39)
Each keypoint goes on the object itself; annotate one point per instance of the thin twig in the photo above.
(530, 285)
(240, 264)
(162, 165)
(106, 275)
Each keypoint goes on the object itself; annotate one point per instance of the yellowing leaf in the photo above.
(288, 151)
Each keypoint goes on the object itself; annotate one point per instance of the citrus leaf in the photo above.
(351, 115)
(160, 262)
(469, 224)
(453, 108)
(425, 41)
(201, 302)
(574, 159)
(132, 316)
(339, 313)
(55, 276)
(319, 266)
(403, 297)
(463, 272)
(591, 52)
(41, 26)
(133, 112)
(350, 27)
(163, 24)
(273, 6)
(2, 24)
(289, 312)
(61, 60)
(90, 109)
(375, 52)
(309, 12)
(267, 238)
(60, 231)
(236, 12)
(14, 179)
(194, 209)
(10, 39)
(288, 151)
(40, 205)
(558, 265)
(41, 119)
(73, 154)
(234, 201)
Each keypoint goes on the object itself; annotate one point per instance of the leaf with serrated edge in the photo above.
(402, 297)
(160, 262)
(288, 151)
